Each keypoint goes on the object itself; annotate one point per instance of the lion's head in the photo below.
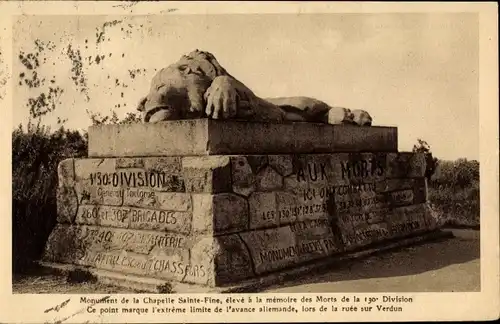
(177, 91)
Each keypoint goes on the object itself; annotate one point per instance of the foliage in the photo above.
(99, 119)
(36, 153)
(454, 191)
(453, 187)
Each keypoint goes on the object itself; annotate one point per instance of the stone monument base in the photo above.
(260, 283)
(220, 220)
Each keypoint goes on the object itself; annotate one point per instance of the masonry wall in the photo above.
(218, 219)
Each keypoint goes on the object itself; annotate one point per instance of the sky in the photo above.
(418, 72)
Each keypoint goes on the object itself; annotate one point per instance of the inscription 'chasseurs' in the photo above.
(153, 266)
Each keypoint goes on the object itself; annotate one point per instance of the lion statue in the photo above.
(197, 86)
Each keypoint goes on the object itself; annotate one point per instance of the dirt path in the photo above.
(450, 265)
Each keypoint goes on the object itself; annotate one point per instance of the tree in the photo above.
(430, 161)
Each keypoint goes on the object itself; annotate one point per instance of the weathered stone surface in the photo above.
(277, 248)
(219, 213)
(162, 174)
(63, 245)
(213, 137)
(102, 239)
(401, 197)
(130, 163)
(308, 206)
(67, 204)
(394, 184)
(187, 137)
(286, 204)
(98, 195)
(135, 218)
(268, 180)
(211, 174)
(174, 201)
(282, 164)
(66, 173)
(233, 263)
(407, 228)
(86, 168)
(242, 176)
(406, 165)
(262, 210)
(166, 164)
(226, 258)
(365, 234)
(257, 162)
(420, 191)
(351, 221)
(173, 267)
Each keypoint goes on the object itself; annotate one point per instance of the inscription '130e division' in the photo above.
(130, 179)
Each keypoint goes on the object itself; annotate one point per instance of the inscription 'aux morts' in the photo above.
(362, 168)
(131, 179)
(312, 172)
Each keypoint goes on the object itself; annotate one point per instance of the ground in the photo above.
(445, 266)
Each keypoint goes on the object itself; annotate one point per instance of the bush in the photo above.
(36, 153)
(454, 191)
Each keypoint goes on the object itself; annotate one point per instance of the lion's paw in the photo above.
(223, 97)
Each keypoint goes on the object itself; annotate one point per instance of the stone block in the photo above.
(217, 137)
(134, 218)
(66, 173)
(406, 165)
(67, 204)
(268, 180)
(282, 164)
(394, 184)
(161, 174)
(243, 177)
(219, 213)
(278, 248)
(226, 257)
(262, 210)
(211, 174)
(366, 234)
(102, 239)
(172, 267)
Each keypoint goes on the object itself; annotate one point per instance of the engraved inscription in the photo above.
(134, 217)
(163, 267)
(362, 168)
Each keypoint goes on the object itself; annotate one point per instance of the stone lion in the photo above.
(197, 86)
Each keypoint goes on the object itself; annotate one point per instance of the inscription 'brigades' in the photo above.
(123, 214)
(130, 179)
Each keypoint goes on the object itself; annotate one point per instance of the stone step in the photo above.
(153, 285)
